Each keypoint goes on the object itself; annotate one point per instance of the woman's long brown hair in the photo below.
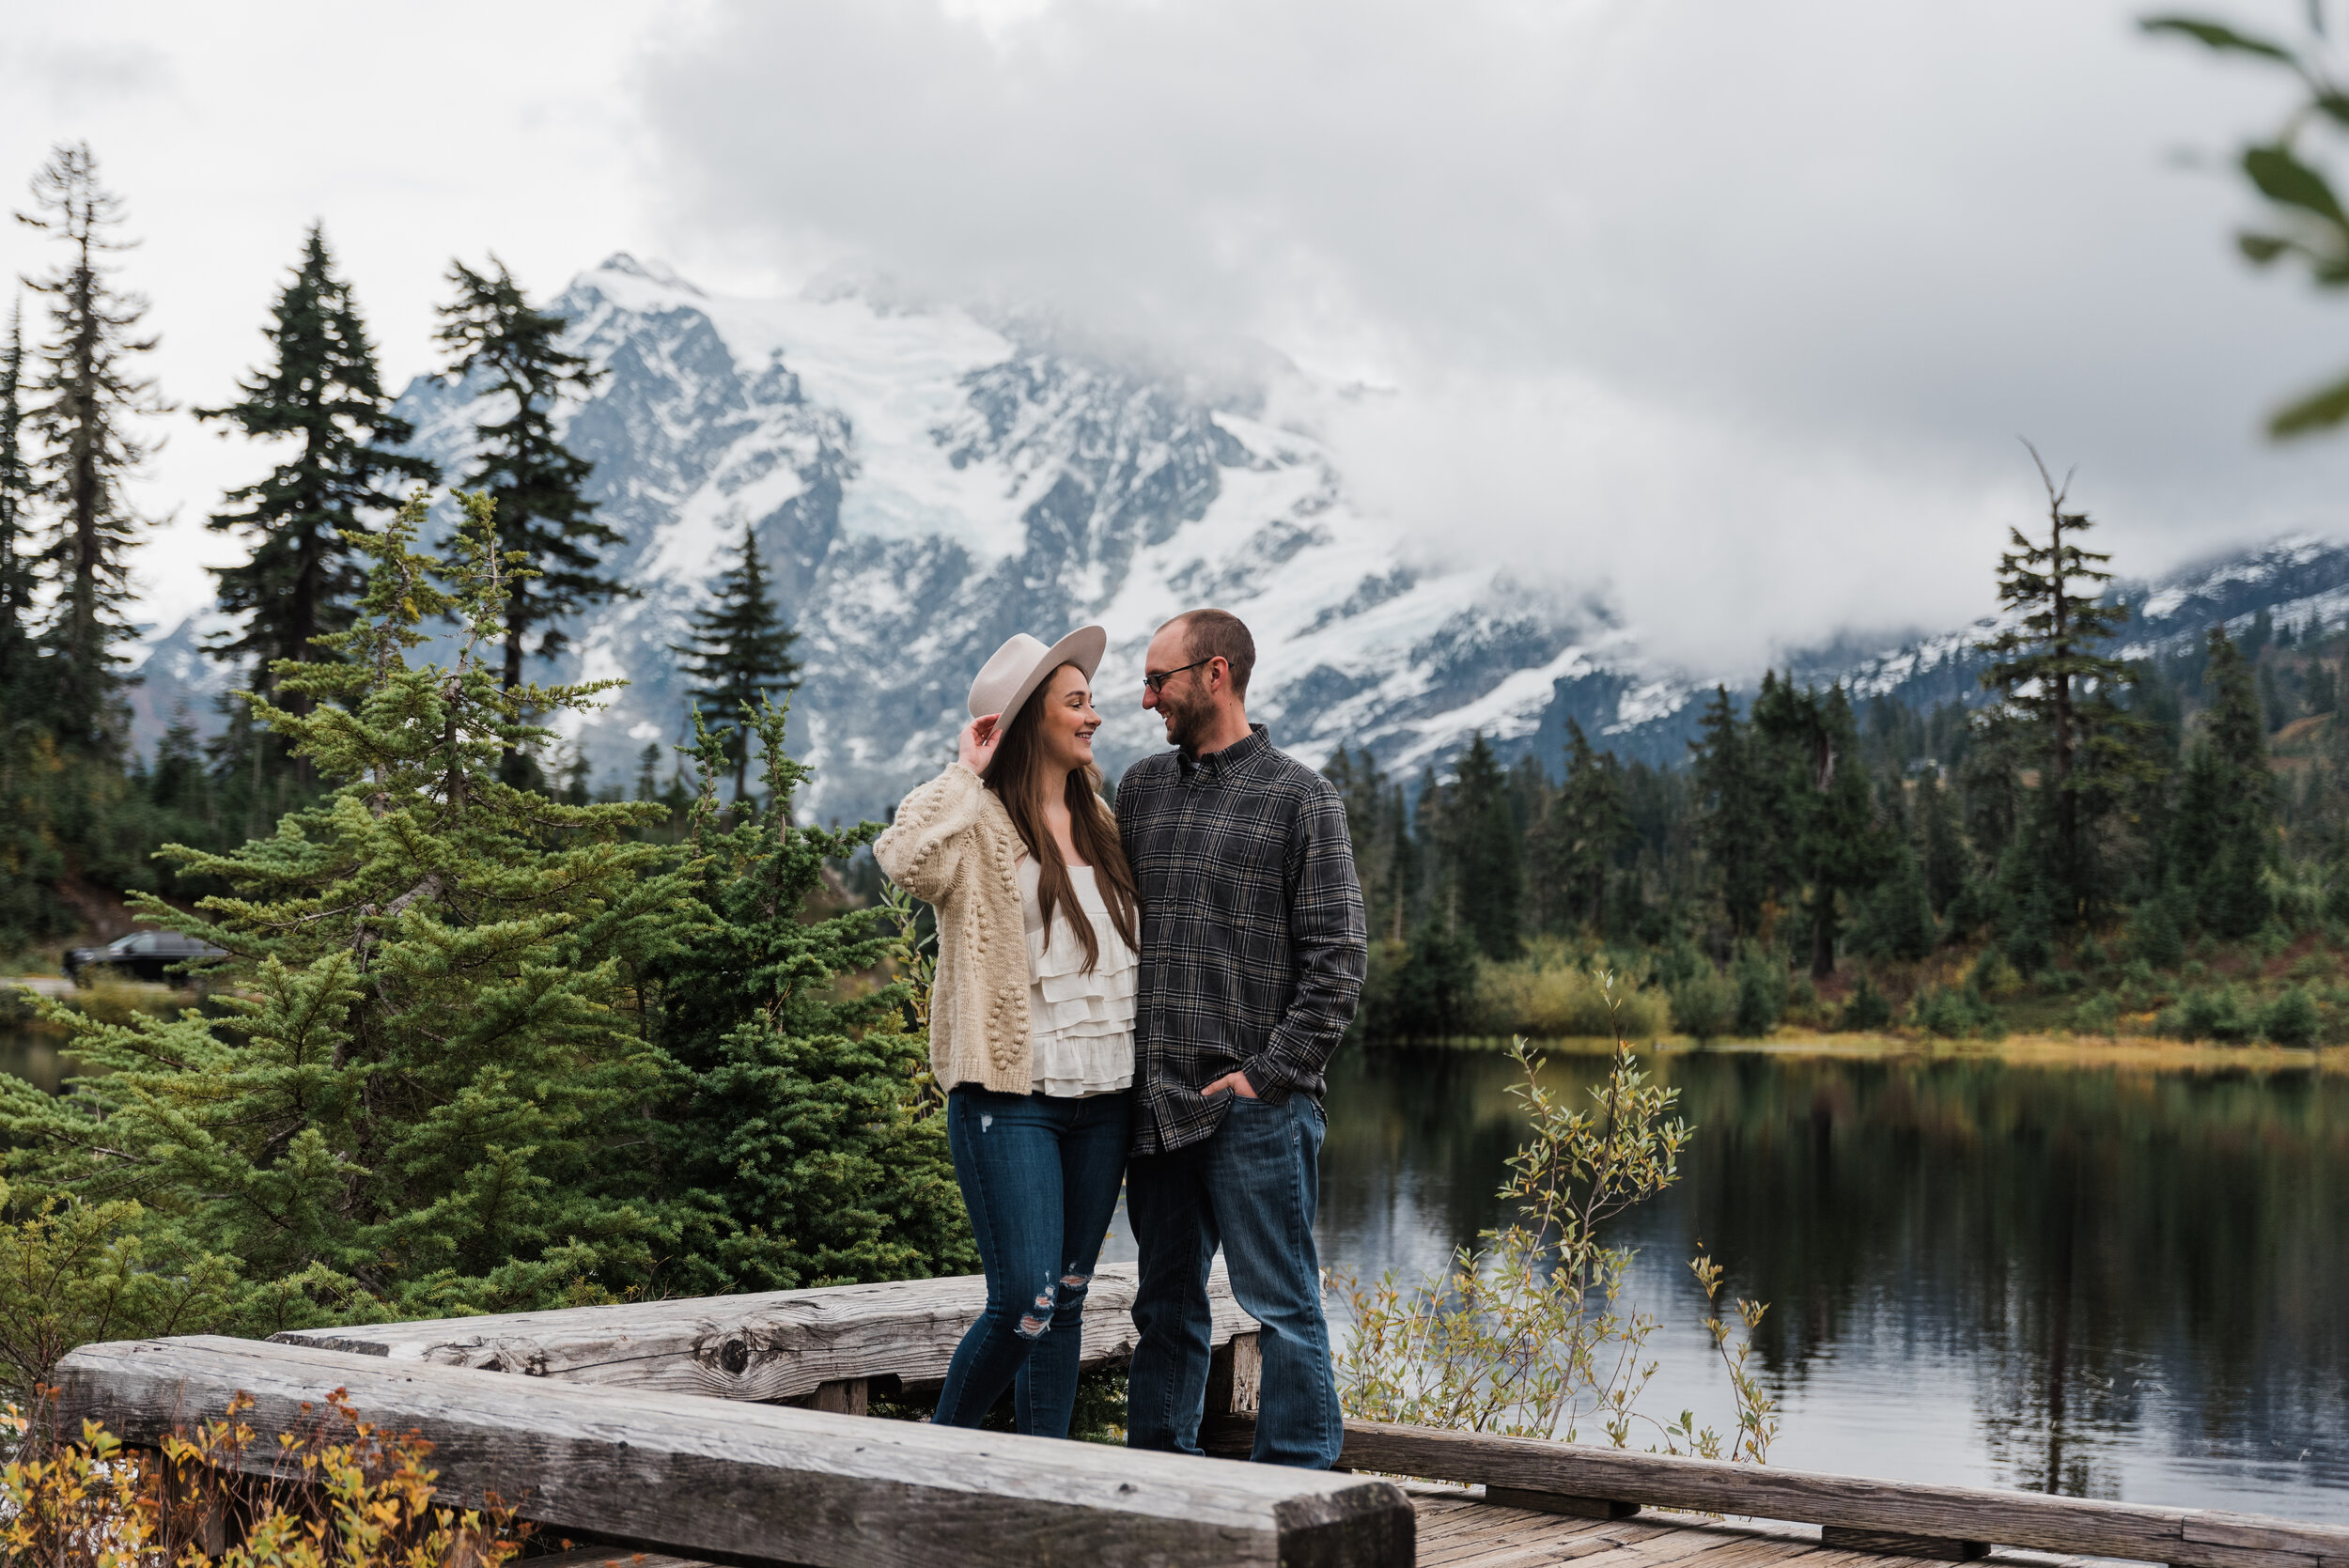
(1019, 775)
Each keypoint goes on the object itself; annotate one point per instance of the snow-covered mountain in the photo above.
(925, 482)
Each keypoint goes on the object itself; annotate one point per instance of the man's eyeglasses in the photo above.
(1157, 683)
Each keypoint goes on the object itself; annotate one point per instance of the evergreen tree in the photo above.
(321, 393)
(85, 396)
(515, 355)
(1947, 865)
(1894, 918)
(17, 609)
(795, 1135)
(2223, 837)
(1734, 827)
(740, 655)
(2049, 674)
(1835, 849)
(431, 1092)
(1487, 865)
(1582, 834)
(1380, 832)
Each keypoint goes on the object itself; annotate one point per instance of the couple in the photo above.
(1151, 994)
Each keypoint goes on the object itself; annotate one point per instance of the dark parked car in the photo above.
(142, 954)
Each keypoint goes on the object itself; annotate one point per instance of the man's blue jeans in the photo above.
(1252, 1187)
(1039, 1174)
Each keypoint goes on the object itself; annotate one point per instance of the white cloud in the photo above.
(1740, 309)
(1736, 310)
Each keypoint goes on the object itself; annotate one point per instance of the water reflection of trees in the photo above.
(2105, 1249)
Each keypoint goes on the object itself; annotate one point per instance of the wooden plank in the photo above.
(841, 1399)
(2188, 1538)
(1235, 1377)
(767, 1347)
(1888, 1543)
(1560, 1502)
(766, 1485)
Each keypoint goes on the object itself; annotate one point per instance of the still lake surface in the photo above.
(2109, 1281)
(2112, 1279)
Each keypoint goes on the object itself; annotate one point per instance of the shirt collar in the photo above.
(1216, 764)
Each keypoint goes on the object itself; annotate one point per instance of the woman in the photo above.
(1032, 1010)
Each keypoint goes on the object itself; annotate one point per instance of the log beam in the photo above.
(1958, 1515)
(775, 1345)
(761, 1486)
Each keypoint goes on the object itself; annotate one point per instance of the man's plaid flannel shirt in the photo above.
(1253, 945)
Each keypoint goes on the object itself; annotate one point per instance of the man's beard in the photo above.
(1186, 722)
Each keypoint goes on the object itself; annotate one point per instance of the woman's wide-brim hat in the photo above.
(1008, 678)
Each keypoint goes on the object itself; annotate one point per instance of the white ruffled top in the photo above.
(1083, 1041)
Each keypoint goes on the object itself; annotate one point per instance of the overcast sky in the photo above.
(1732, 312)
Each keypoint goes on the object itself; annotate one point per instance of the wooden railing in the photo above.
(602, 1422)
(824, 1348)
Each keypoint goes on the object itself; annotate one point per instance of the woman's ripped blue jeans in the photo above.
(1040, 1175)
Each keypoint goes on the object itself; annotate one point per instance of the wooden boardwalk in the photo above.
(731, 1431)
(1461, 1531)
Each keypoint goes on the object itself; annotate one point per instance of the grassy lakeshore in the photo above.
(2047, 1049)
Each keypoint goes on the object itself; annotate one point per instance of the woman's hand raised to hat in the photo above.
(980, 736)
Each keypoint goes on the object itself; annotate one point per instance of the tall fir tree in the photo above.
(320, 392)
(1575, 847)
(1734, 822)
(1486, 855)
(16, 489)
(85, 396)
(2049, 672)
(431, 1088)
(2223, 839)
(795, 1136)
(1835, 849)
(740, 656)
(1946, 864)
(1369, 800)
(515, 355)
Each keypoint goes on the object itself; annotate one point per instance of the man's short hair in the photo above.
(1219, 634)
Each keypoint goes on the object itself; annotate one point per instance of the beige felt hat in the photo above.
(1021, 665)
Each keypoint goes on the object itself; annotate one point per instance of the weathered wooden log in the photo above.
(773, 1345)
(2186, 1537)
(1890, 1543)
(761, 1485)
(1560, 1502)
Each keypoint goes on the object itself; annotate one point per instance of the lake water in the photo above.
(2106, 1280)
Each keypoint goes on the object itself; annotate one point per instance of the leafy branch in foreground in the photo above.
(345, 1494)
(1526, 1334)
(2309, 224)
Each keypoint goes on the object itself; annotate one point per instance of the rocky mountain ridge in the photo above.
(925, 482)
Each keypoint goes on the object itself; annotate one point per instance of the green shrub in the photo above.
(1956, 1012)
(1760, 978)
(1995, 975)
(1866, 1007)
(2292, 1018)
(2215, 1013)
(2154, 935)
(1549, 997)
(1705, 1005)
(2091, 955)
(2098, 1014)
(1422, 990)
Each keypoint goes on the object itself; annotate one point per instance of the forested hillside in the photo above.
(2157, 843)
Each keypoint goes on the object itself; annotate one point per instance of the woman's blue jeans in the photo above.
(1040, 1175)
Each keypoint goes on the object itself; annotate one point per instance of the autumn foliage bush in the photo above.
(342, 1494)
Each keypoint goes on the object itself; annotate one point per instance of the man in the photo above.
(1252, 957)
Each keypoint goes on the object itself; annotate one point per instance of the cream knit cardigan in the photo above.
(953, 844)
